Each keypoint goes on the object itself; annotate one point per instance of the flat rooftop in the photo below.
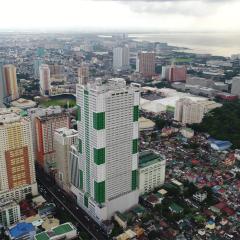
(147, 158)
(61, 229)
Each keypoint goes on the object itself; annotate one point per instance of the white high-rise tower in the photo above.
(104, 165)
(121, 58)
(45, 81)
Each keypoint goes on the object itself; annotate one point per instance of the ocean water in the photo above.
(219, 44)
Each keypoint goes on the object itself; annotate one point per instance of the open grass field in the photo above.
(63, 101)
(183, 60)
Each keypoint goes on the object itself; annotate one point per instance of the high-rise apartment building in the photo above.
(36, 65)
(121, 58)
(16, 156)
(104, 164)
(45, 128)
(145, 63)
(10, 78)
(83, 74)
(188, 111)
(45, 81)
(63, 139)
(177, 74)
(33, 113)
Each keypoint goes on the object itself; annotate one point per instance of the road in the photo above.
(52, 192)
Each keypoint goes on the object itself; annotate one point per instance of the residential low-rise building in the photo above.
(120, 219)
(200, 196)
(22, 231)
(151, 171)
(128, 235)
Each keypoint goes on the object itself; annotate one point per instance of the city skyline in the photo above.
(124, 15)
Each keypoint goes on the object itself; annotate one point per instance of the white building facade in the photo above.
(9, 212)
(236, 86)
(152, 168)
(62, 141)
(121, 58)
(45, 82)
(105, 162)
(188, 111)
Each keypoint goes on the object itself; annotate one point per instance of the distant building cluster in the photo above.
(100, 160)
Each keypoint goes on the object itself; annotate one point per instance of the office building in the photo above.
(83, 74)
(45, 128)
(236, 86)
(121, 58)
(63, 139)
(151, 171)
(16, 156)
(104, 163)
(10, 78)
(145, 63)
(45, 82)
(9, 212)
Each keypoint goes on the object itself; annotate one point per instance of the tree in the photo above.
(222, 123)
(190, 190)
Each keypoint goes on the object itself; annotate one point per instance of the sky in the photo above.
(124, 15)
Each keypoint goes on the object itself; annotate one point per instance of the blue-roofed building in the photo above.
(219, 145)
(22, 231)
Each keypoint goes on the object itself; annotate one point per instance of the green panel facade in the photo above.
(135, 113)
(99, 120)
(99, 155)
(78, 113)
(81, 179)
(86, 200)
(134, 179)
(135, 146)
(99, 192)
(87, 140)
(79, 145)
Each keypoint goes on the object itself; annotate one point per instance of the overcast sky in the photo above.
(113, 15)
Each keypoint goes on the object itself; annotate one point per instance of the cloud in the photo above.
(195, 8)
